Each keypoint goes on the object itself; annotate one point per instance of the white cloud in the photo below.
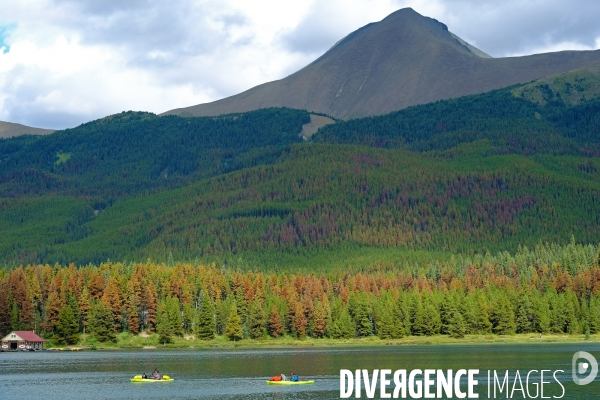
(70, 61)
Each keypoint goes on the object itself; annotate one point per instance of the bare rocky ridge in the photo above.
(9, 129)
(403, 60)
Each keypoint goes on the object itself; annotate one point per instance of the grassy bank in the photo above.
(128, 341)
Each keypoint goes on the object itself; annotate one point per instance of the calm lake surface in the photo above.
(241, 373)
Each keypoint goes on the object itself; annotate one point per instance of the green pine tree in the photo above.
(503, 317)
(427, 321)
(66, 330)
(362, 315)
(100, 323)
(482, 323)
(594, 315)
(389, 324)
(257, 320)
(385, 324)
(72, 302)
(233, 328)
(525, 316)
(164, 326)
(174, 313)
(189, 317)
(205, 327)
(457, 326)
(541, 317)
(342, 327)
(448, 308)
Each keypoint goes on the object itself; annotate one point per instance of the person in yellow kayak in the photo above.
(156, 375)
(294, 377)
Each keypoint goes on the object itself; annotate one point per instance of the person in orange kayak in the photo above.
(278, 378)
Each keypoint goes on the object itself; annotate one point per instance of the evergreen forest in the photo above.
(546, 289)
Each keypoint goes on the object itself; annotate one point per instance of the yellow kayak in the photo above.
(138, 378)
(290, 382)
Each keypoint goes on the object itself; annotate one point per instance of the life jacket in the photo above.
(295, 378)
(275, 378)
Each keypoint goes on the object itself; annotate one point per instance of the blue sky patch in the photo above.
(5, 31)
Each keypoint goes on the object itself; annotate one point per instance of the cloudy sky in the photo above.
(65, 62)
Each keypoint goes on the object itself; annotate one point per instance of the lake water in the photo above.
(241, 373)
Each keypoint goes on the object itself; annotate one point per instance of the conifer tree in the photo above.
(385, 324)
(205, 327)
(233, 328)
(100, 323)
(54, 304)
(541, 319)
(275, 323)
(482, 316)
(66, 330)
(174, 314)
(257, 320)
(14, 317)
(572, 311)
(133, 322)
(426, 317)
(96, 286)
(150, 306)
(524, 317)
(593, 321)
(558, 320)
(342, 327)
(362, 315)
(502, 316)
(164, 327)
(72, 302)
(189, 317)
(457, 326)
(320, 320)
(84, 308)
(241, 305)
(5, 323)
(222, 310)
(300, 322)
(112, 300)
(21, 300)
(389, 323)
(403, 315)
(447, 309)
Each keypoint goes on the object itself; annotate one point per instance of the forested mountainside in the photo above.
(510, 124)
(484, 172)
(548, 289)
(134, 152)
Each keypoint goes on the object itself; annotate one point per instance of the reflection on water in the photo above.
(241, 374)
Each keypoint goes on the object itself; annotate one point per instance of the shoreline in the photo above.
(150, 342)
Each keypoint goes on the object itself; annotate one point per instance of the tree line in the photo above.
(549, 288)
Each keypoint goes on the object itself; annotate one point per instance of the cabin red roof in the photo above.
(29, 336)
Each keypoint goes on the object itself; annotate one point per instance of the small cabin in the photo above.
(22, 340)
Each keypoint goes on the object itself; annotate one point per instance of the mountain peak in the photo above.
(402, 60)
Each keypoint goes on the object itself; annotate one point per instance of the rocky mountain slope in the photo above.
(403, 60)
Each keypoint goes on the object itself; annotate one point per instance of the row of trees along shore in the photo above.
(550, 288)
